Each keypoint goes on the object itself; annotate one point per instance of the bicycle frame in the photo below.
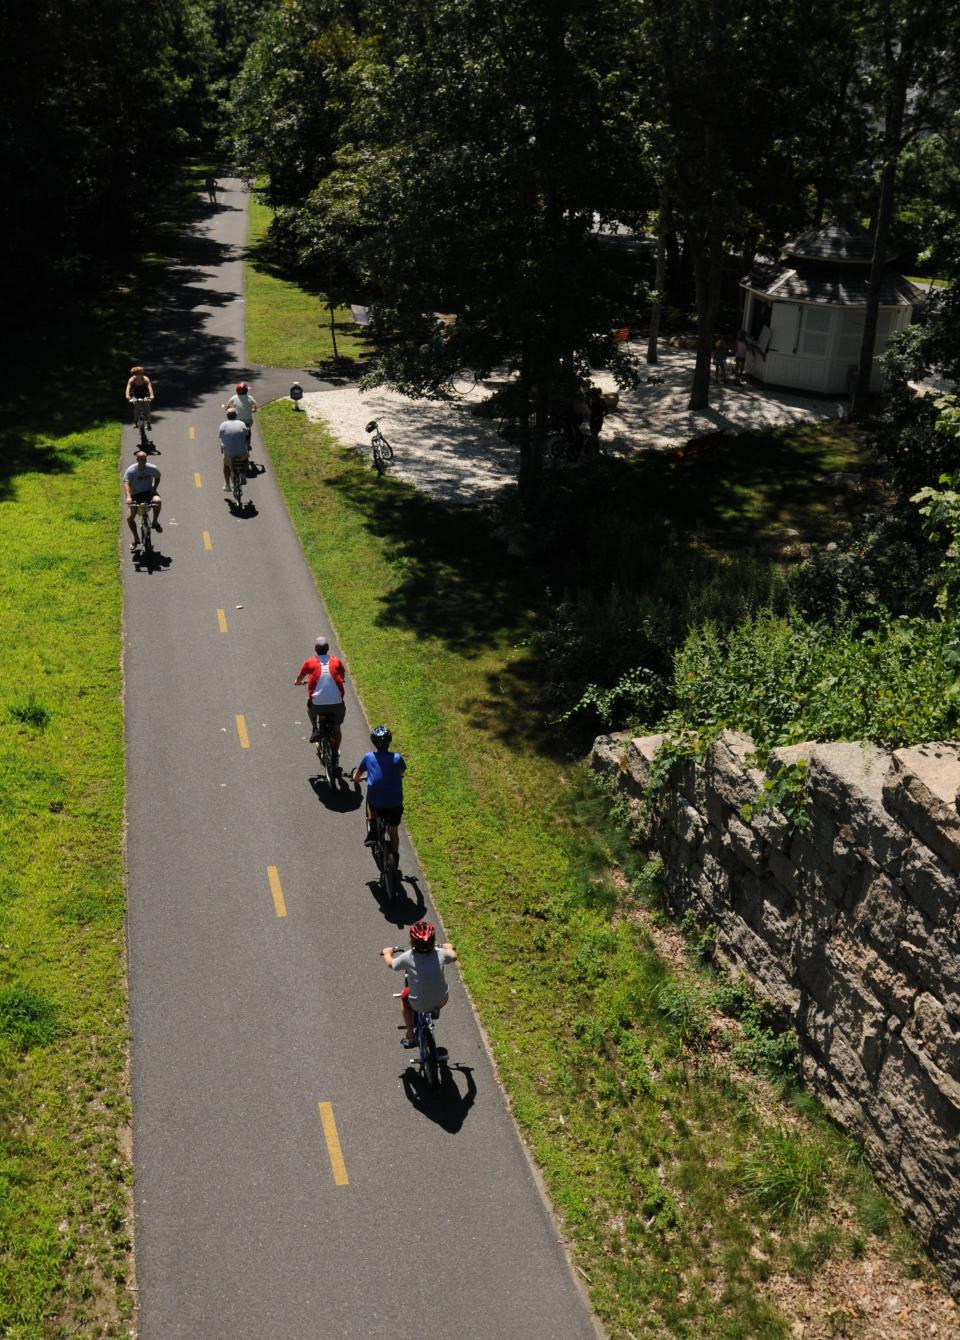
(142, 511)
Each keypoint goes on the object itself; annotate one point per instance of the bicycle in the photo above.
(327, 751)
(388, 862)
(382, 450)
(430, 1057)
(143, 513)
(236, 482)
(141, 421)
(570, 442)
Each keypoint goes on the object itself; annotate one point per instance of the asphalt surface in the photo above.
(245, 1021)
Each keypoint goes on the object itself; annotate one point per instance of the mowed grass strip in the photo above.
(660, 1164)
(64, 1185)
(287, 327)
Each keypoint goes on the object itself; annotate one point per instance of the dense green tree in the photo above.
(284, 117)
(98, 104)
(912, 51)
(481, 141)
(743, 111)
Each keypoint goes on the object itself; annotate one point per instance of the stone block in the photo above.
(727, 773)
(641, 752)
(881, 914)
(783, 871)
(788, 755)
(921, 788)
(847, 779)
(609, 756)
(936, 1034)
(930, 883)
(895, 991)
(743, 844)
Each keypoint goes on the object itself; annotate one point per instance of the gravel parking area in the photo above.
(447, 451)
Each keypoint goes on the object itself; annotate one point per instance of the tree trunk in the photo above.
(708, 268)
(893, 130)
(333, 332)
(660, 279)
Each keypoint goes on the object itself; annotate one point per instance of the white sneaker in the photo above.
(226, 488)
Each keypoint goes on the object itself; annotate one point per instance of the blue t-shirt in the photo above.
(384, 777)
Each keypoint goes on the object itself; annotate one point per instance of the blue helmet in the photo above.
(381, 736)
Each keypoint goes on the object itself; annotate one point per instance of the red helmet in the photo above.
(242, 388)
(422, 936)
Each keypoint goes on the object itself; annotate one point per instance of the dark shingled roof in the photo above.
(829, 284)
(845, 243)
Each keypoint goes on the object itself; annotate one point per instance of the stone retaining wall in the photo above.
(849, 930)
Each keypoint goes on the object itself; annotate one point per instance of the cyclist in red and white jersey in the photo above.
(324, 676)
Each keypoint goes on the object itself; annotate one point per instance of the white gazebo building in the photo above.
(804, 315)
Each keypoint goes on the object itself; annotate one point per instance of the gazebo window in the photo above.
(816, 331)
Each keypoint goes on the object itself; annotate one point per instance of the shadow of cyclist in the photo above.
(339, 799)
(446, 1106)
(399, 911)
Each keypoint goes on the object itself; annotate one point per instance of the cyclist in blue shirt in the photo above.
(384, 771)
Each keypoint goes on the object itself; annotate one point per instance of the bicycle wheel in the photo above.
(378, 458)
(557, 447)
(428, 1056)
(386, 448)
(237, 481)
(146, 535)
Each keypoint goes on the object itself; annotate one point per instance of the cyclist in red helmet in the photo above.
(246, 407)
(423, 963)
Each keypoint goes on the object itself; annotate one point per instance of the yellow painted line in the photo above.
(337, 1165)
(207, 542)
(279, 905)
(242, 732)
(192, 433)
(222, 620)
(196, 479)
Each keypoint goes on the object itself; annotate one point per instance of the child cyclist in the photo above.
(423, 963)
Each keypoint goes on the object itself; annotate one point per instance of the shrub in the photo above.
(785, 1174)
(27, 1017)
(30, 712)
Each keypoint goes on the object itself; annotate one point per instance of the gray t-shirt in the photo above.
(428, 987)
(233, 437)
(142, 478)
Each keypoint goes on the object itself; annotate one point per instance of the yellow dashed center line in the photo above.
(192, 433)
(207, 542)
(222, 620)
(242, 732)
(337, 1165)
(279, 905)
(196, 479)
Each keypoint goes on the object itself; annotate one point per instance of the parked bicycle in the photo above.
(382, 450)
(571, 443)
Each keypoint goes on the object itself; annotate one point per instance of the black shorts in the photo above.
(136, 498)
(390, 814)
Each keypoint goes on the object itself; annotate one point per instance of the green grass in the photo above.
(65, 1170)
(287, 327)
(665, 1173)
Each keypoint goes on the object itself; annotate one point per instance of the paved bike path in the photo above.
(245, 1021)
